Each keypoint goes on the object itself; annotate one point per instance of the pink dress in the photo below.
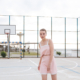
(45, 59)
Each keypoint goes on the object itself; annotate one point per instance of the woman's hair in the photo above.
(43, 30)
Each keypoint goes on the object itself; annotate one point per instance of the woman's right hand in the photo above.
(38, 67)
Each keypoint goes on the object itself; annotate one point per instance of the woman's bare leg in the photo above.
(54, 77)
(44, 77)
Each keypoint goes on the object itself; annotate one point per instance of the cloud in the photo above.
(40, 7)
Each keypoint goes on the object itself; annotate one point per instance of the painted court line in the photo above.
(70, 70)
(17, 66)
(73, 62)
(17, 71)
(21, 71)
(71, 67)
(33, 62)
(68, 75)
(20, 74)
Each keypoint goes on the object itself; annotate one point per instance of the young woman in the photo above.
(47, 62)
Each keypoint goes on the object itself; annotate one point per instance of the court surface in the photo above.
(26, 69)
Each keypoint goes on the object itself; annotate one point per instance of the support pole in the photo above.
(65, 37)
(20, 34)
(8, 45)
(77, 37)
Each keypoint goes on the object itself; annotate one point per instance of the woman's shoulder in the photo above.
(50, 41)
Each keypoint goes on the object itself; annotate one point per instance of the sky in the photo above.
(56, 8)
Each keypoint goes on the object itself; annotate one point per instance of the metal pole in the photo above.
(23, 32)
(20, 34)
(20, 49)
(9, 38)
(65, 37)
(8, 44)
(77, 37)
(37, 34)
(51, 27)
(9, 19)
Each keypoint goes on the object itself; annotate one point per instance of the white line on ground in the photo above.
(17, 71)
(62, 71)
(69, 75)
(73, 62)
(20, 75)
(71, 67)
(22, 71)
(33, 62)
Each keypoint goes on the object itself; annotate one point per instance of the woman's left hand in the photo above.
(48, 67)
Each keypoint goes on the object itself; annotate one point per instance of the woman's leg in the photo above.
(44, 77)
(54, 77)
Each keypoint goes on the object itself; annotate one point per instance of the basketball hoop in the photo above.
(7, 33)
(8, 30)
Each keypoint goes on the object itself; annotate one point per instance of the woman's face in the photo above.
(42, 34)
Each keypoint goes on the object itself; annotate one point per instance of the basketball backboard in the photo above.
(11, 29)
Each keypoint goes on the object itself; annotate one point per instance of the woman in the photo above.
(47, 62)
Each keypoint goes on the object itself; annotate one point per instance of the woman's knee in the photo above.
(54, 77)
(44, 77)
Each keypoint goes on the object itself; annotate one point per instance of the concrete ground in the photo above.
(26, 69)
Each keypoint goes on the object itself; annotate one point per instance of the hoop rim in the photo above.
(7, 33)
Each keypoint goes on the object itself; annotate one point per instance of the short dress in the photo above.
(45, 50)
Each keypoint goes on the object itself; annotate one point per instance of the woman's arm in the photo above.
(40, 57)
(51, 51)
(40, 60)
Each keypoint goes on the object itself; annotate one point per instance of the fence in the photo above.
(64, 32)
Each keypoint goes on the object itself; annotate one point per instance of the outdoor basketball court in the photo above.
(20, 35)
(26, 69)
